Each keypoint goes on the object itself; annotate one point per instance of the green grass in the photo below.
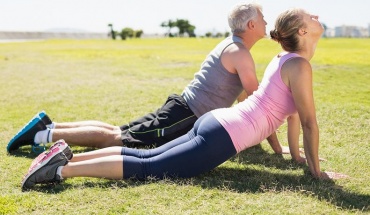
(117, 81)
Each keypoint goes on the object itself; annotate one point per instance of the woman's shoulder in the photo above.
(297, 63)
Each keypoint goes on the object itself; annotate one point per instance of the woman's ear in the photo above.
(302, 31)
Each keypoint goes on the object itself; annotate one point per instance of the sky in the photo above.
(147, 15)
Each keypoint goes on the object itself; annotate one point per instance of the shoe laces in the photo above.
(39, 148)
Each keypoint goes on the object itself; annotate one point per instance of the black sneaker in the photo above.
(27, 134)
(45, 118)
(45, 171)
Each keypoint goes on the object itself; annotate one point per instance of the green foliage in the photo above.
(169, 24)
(217, 35)
(127, 33)
(130, 33)
(208, 34)
(138, 33)
(112, 33)
(183, 26)
(116, 82)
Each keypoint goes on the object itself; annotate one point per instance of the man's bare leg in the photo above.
(83, 124)
(89, 136)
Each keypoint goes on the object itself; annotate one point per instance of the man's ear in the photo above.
(251, 24)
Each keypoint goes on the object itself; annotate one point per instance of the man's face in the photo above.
(260, 25)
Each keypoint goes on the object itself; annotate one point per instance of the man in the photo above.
(227, 73)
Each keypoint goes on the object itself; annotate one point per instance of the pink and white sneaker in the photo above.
(44, 168)
(61, 144)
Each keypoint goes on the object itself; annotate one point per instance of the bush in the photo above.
(127, 33)
(138, 33)
(130, 33)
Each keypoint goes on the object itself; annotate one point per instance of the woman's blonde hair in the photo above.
(286, 29)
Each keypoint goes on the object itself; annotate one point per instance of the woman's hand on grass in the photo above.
(332, 175)
(286, 150)
(299, 159)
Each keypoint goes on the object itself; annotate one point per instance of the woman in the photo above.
(285, 91)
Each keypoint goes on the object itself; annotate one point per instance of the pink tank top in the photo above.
(253, 120)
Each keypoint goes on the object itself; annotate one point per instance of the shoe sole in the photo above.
(45, 161)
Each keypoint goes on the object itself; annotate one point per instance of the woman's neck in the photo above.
(307, 50)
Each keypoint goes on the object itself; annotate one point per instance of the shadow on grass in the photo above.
(246, 180)
(260, 181)
(257, 155)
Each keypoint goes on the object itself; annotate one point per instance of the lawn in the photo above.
(117, 81)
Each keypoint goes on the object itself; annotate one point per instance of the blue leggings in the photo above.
(203, 148)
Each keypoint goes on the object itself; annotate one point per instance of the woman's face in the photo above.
(313, 26)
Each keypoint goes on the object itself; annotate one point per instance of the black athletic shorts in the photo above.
(172, 120)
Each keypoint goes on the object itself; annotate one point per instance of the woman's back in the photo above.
(251, 121)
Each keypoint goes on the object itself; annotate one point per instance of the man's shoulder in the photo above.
(236, 49)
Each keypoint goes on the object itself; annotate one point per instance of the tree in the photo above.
(218, 35)
(184, 27)
(208, 34)
(325, 28)
(169, 24)
(112, 33)
(190, 31)
(138, 33)
(182, 24)
(127, 33)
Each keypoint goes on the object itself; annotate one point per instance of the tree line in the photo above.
(185, 29)
(124, 33)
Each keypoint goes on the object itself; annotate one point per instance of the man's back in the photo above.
(213, 86)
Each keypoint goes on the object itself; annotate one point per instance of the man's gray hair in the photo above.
(241, 14)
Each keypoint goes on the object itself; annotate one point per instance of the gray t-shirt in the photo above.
(213, 86)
